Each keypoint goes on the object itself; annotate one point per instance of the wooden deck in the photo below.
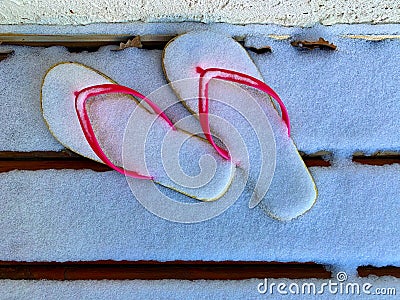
(152, 270)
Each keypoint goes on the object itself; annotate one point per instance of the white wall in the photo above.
(283, 12)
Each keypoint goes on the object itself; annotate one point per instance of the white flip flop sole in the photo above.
(109, 116)
(292, 190)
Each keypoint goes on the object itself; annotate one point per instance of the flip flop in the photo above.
(95, 129)
(215, 59)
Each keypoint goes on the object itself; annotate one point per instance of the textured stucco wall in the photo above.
(282, 12)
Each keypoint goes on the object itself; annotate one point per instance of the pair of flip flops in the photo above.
(217, 81)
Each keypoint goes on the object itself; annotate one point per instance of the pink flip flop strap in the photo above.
(207, 74)
(81, 98)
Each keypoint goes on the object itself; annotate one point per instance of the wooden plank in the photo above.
(6, 166)
(82, 41)
(152, 270)
(316, 161)
(365, 271)
(79, 40)
(5, 54)
(86, 41)
(39, 155)
(260, 50)
(44, 160)
(377, 159)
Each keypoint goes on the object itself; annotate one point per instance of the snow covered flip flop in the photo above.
(215, 60)
(88, 112)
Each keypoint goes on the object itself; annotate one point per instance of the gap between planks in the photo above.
(183, 270)
(82, 40)
(153, 270)
(91, 42)
(44, 160)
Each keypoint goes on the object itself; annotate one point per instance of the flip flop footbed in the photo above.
(292, 190)
(152, 146)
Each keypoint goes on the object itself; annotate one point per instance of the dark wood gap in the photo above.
(90, 42)
(5, 54)
(153, 270)
(155, 42)
(364, 271)
(80, 42)
(315, 160)
(83, 49)
(44, 160)
(377, 160)
(39, 155)
(6, 166)
(261, 50)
